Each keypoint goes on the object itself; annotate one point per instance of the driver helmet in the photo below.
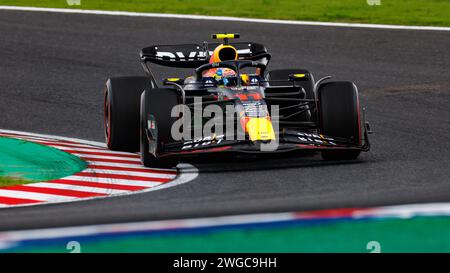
(222, 53)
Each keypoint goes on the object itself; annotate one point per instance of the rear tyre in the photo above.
(121, 112)
(156, 124)
(339, 117)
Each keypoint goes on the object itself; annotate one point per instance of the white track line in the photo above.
(60, 145)
(89, 149)
(78, 148)
(186, 173)
(35, 195)
(34, 139)
(76, 188)
(54, 142)
(134, 166)
(224, 18)
(115, 181)
(408, 211)
(100, 157)
(142, 174)
(51, 137)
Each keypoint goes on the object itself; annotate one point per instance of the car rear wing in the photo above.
(195, 55)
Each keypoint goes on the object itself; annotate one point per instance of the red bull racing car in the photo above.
(230, 103)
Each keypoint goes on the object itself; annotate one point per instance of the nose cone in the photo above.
(260, 129)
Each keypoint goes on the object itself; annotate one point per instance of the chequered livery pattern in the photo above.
(107, 173)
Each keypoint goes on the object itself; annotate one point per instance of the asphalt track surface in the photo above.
(53, 68)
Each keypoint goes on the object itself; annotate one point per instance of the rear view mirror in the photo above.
(168, 81)
(298, 77)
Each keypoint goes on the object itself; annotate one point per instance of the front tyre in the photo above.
(340, 117)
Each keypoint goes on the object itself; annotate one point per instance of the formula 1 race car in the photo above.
(230, 103)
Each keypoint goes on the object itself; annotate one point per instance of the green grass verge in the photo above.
(413, 235)
(11, 181)
(405, 12)
(22, 161)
